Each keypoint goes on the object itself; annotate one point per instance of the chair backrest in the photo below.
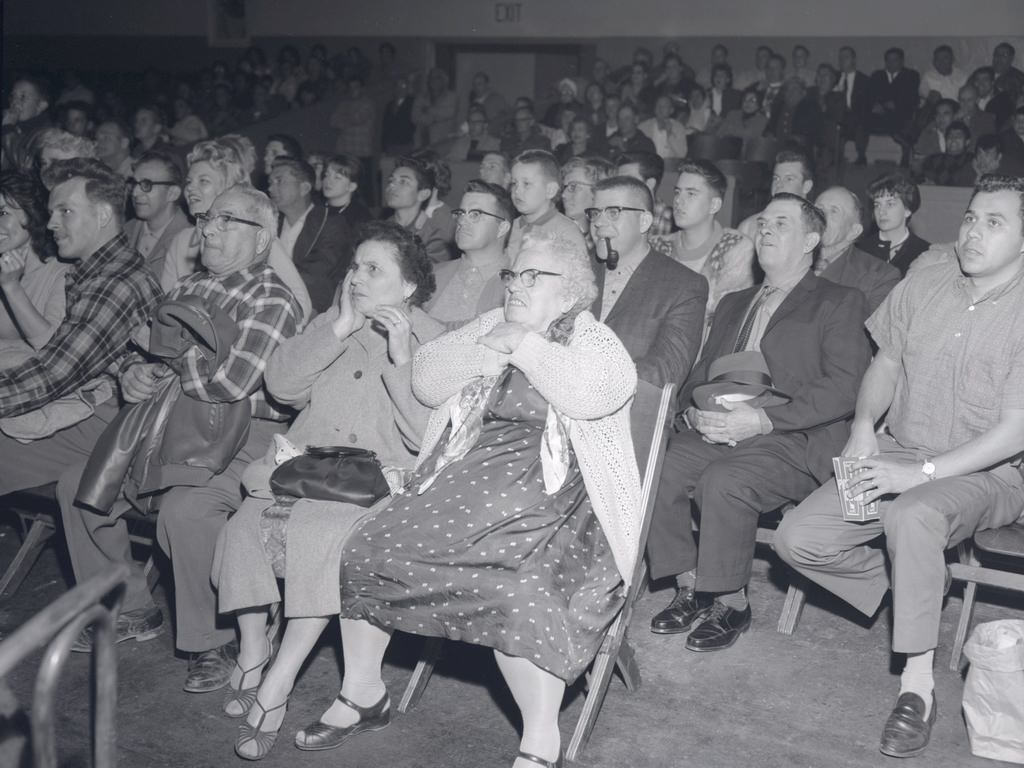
(649, 418)
(761, 151)
(704, 146)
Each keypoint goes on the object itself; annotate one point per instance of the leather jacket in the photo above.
(170, 439)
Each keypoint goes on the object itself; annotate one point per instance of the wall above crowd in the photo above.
(518, 18)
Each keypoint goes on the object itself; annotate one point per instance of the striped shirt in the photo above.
(266, 313)
(109, 295)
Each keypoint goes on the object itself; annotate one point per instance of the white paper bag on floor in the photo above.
(994, 692)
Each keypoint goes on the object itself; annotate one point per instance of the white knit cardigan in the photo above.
(590, 382)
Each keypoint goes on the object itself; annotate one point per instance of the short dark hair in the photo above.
(897, 51)
(812, 216)
(896, 185)
(1008, 47)
(300, 169)
(154, 109)
(944, 48)
(76, 105)
(425, 177)
(801, 47)
(988, 142)
(721, 68)
(997, 182)
(651, 166)
(796, 156)
(347, 165)
(708, 171)
(413, 261)
(102, 184)
(542, 158)
(779, 58)
(641, 194)
(951, 103)
(167, 160)
(439, 167)
(672, 57)
(25, 192)
(986, 70)
(502, 199)
(289, 143)
(958, 125)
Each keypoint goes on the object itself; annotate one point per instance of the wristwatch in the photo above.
(929, 470)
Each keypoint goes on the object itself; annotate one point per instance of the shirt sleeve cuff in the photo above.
(766, 424)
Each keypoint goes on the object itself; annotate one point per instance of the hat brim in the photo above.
(704, 395)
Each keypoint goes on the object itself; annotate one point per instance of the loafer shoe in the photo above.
(686, 607)
(320, 736)
(720, 629)
(140, 625)
(906, 731)
(211, 670)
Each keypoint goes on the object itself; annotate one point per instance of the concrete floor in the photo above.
(816, 700)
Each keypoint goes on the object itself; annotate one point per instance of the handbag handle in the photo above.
(336, 451)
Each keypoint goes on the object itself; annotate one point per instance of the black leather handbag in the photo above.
(332, 473)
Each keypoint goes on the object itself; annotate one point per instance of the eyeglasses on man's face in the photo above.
(612, 212)
(577, 186)
(222, 220)
(473, 215)
(528, 277)
(146, 185)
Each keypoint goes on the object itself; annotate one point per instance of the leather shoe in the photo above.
(211, 670)
(720, 629)
(906, 732)
(140, 625)
(320, 736)
(686, 607)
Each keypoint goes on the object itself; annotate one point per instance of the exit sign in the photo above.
(508, 13)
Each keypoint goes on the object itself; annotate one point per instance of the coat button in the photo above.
(358, 374)
(352, 437)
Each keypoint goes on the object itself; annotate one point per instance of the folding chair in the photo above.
(1006, 543)
(95, 602)
(39, 514)
(649, 417)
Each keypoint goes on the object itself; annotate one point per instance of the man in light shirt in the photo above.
(944, 79)
(155, 187)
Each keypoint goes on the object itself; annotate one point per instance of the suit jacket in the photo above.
(902, 91)
(731, 99)
(912, 247)
(860, 100)
(1000, 106)
(134, 228)
(816, 351)
(322, 253)
(980, 124)
(857, 269)
(1012, 147)
(659, 317)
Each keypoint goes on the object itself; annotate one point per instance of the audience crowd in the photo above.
(188, 326)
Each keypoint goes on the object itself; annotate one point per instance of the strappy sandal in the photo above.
(245, 697)
(254, 734)
(320, 736)
(540, 760)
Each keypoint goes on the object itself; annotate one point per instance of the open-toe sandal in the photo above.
(254, 734)
(320, 736)
(242, 696)
(540, 760)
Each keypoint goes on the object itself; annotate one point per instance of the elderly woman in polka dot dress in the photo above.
(520, 524)
(350, 372)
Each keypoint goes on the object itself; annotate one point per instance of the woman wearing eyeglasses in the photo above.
(350, 374)
(520, 522)
(214, 166)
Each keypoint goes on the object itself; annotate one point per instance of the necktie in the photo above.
(748, 321)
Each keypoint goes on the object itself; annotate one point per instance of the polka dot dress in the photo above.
(485, 556)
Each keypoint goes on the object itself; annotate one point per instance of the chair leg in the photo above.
(25, 558)
(421, 674)
(151, 573)
(628, 667)
(600, 676)
(963, 626)
(793, 607)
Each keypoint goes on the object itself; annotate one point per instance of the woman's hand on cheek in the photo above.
(396, 323)
(349, 319)
(504, 337)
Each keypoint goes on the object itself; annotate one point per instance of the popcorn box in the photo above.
(853, 509)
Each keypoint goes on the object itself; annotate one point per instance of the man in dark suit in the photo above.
(654, 304)
(853, 85)
(318, 238)
(752, 457)
(893, 93)
(155, 187)
(1011, 143)
(840, 260)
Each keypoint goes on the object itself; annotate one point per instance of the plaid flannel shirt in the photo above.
(663, 224)
(266, 313)
(109, 295)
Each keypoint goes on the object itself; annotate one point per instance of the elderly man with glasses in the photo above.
(236, 284)
(469, 286)
(654, 304)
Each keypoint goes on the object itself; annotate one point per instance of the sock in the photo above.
(686, 579)
(917, 677)
(735, 600)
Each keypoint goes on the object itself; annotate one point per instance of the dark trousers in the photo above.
(731, 488)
